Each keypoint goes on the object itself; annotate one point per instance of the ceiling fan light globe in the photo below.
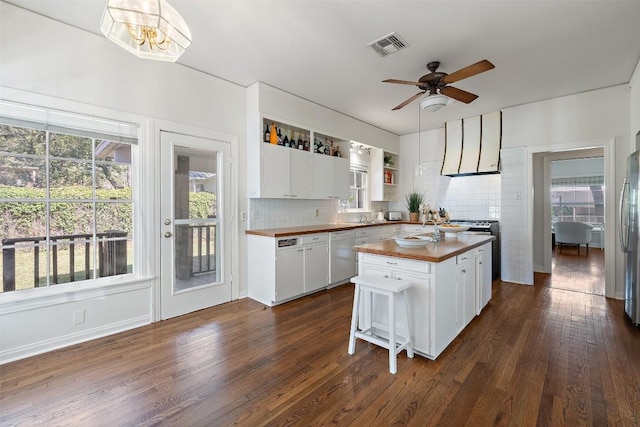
(433, 103)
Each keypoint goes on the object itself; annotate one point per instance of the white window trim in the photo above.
(142, 195)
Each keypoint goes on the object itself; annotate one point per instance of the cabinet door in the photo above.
(276, 174)
(289, 272)
(322, 176)
(419, 310)
(301, 174)
(341, 183)
(483, 276)
(469, 292)
(316, 267)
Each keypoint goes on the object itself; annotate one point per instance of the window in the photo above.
(359, 189)
(578, 199)
(66, 203)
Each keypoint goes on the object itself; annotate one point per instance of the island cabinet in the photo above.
(433, 297)
(450, 279)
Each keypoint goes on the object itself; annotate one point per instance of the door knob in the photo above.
(167, 234)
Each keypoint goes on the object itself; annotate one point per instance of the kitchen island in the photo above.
(451, 285)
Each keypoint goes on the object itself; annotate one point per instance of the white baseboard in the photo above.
(44, 346)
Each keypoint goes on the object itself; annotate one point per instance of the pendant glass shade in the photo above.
(149, 29)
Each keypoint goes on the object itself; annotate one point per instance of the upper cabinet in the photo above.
(291, 161)
(384, 175)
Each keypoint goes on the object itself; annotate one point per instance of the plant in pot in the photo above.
(413, 201)
(387, 159)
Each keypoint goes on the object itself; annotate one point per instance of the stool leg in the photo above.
(393, 365)
(354, 319)
(405, 297)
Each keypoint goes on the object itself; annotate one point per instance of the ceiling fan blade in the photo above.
(413, 98)
(459, 94)
(402, 82)
(471, 70)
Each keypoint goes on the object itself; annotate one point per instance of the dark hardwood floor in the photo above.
(536, 355)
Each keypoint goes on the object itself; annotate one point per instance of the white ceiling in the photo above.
(318, 49)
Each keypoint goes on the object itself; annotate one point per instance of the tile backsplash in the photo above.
(278, 213)
(464, 197)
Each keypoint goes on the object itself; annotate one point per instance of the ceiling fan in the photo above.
(435, 85)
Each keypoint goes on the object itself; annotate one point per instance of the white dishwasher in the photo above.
(343, 258)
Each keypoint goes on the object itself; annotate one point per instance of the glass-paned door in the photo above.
(195, 215)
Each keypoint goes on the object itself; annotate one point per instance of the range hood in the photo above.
(472, 145)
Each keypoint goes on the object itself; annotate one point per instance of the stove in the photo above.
(489, 226)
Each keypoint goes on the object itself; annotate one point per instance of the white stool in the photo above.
(367, 285)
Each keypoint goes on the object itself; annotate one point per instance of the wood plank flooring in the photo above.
(576, 271)
(535, 356)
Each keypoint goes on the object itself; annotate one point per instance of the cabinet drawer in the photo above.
(313, 238)
(461, 259)
(397, 263)
(335, 235)
(363, 232)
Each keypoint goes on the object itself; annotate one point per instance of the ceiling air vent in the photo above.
(391, 43)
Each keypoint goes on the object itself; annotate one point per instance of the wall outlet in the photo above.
(254, 214)
(243, 216)
(78, 317)
(317, 213)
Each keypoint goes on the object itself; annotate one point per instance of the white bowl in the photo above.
(414, 242)
(452, 228)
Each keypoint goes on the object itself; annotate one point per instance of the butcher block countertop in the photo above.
(323, 228)
(433, 252)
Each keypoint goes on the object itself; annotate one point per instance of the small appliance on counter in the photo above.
(393, 216)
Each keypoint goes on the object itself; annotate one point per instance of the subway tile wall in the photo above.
(278, 213)
(517, 259)
(465, 197)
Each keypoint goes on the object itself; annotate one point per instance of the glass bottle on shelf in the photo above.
(280, 142)
(300, 143)
(266, 133)
(285, 141)
(273, 136)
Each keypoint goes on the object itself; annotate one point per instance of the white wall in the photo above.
(45, 57)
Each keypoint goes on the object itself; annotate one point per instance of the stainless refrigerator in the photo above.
(629, 235)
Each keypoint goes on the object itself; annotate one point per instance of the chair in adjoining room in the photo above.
(573, 233)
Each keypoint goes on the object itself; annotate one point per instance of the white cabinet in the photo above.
(281, 269)
(275, 177)
(301, 176)
(384, 175)
(323, 177)
(465, 290)
(331, 177)
(295, 170)
(316, 262)
(341, 178)
(431, 296)
(483, 276)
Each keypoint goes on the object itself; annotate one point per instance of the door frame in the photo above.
(153, 162)
(610, 204)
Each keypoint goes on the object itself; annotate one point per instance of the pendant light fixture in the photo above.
(150, 29)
